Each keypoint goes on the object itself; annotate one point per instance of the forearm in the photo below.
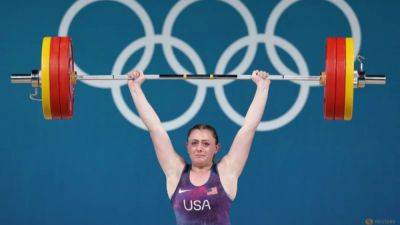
(239, 151)
(257, 107)
(146, 112)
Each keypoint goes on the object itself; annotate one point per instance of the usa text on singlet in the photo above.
(206, 204)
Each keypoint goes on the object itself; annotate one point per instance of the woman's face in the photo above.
(201, 147)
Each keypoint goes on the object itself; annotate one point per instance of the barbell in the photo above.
(57, 78)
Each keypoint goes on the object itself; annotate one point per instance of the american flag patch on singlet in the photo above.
(212, 191)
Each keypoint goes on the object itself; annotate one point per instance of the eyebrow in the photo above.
(199, 140)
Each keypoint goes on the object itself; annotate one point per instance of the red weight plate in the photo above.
(72, 80)
(54, 83)
(340, 78)
(330, 85)
(66, 70)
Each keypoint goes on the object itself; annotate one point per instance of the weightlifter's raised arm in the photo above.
(171, 163)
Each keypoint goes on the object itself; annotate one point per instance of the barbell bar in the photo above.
(57, 78)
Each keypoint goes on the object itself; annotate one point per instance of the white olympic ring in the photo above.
(136, 8)
(251, 41)
(251, 28)
(293, 111)
(276, 14)
(200, 94)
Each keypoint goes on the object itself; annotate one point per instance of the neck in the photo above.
(200, 169)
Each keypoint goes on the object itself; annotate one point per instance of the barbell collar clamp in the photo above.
(32, 78)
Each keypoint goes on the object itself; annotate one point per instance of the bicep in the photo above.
(170, 161)
(239, 151)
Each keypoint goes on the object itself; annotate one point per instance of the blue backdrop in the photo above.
(100, 167)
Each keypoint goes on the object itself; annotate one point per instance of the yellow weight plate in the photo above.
(349, 92)
(45, 75)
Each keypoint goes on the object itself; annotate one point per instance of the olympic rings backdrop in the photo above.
(100, 167)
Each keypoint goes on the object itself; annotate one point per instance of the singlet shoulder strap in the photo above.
(217, 179)
(182, 179)
(215, 167)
